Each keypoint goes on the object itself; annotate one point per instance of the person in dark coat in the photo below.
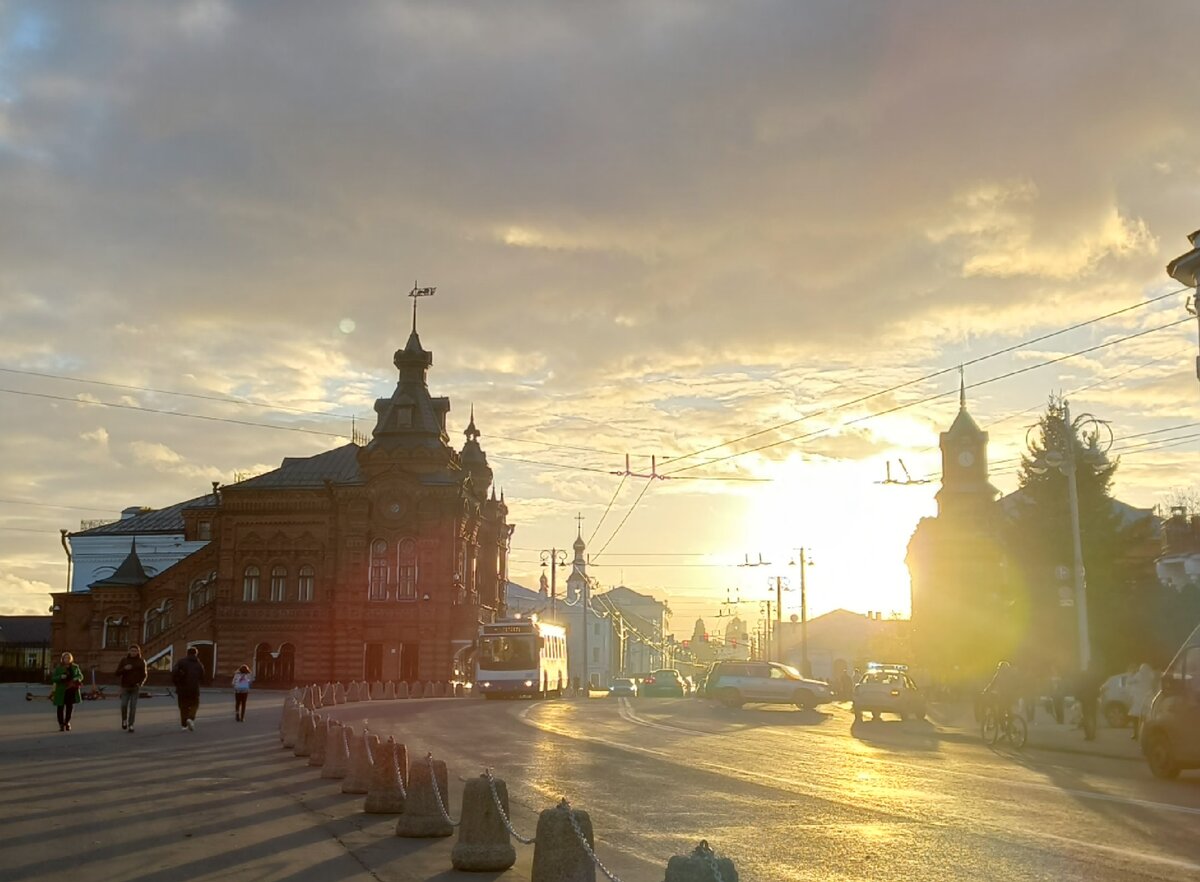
(187, 675)
(1088, 694)
(67, 679)
(132, 671)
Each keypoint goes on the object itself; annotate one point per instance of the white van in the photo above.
(1171, 731)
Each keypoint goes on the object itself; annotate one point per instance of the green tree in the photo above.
(1039, 541)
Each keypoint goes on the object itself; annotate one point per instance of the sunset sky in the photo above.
(655, 228)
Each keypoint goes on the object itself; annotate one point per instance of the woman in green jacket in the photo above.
(67, 679)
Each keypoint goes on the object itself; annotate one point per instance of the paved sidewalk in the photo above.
(957, 722)
(166, 805)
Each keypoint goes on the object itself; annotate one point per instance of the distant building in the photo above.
(363, 562)
(843, 641)
(25, 653)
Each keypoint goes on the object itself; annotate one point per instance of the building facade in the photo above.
(362, 562)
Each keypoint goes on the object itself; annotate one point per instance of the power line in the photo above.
(244, 402)
(926, 400)
(929, 376)
(190, 416)
(645, 487)
(608, 508)
(48, 505)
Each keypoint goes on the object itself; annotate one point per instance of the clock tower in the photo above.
(965, 488)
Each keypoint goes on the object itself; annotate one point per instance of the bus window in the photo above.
(507, 653)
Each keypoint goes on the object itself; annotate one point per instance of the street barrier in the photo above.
(386, 794)
(483, 837)
(316, 750)
(425, 813)
(389, 691)
(358, 779)
(564, 844)
(339, 693)
(308, 728)
(337, 755)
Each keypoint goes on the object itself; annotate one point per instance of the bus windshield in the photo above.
(515, 653)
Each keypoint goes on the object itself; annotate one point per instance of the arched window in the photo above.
(250, 585)
(307, 583)
(202, 592)
(406, 570)
(157, 620)
(278, 584)
(377, 588)
(116, 632)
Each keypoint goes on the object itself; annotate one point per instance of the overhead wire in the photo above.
(608, 508)
(632, 508)
(929, 376)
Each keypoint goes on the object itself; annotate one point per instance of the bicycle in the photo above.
(1006, 725)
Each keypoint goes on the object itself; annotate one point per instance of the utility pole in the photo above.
(1085, 646)
(779, 617)
(554, 558)
(583, 618)
(805, 668)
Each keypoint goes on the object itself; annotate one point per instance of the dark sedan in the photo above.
(663, 683)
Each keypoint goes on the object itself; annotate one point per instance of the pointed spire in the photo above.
(472, 433)
(962, 389)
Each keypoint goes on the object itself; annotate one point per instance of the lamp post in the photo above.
(1185, 269)
(553, 558)
(1065, 462)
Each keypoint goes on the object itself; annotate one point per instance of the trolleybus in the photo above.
(521, 657)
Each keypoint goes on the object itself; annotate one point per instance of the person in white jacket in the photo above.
(1142, 687)
(241, 691)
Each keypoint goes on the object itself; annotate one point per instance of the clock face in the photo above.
(966, 458)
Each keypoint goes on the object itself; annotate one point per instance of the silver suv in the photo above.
(735, 683)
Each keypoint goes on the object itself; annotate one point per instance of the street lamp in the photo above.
(1064, 461)
(1185, 269)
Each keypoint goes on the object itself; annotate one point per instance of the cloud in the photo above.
(23, 597)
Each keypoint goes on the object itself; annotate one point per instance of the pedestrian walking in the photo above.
(187, 676)
(132, 671)
(67, 679)
(1088, 695)
(241, 691)
(1142, 687)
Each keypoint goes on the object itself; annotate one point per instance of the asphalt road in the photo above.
(793, 794)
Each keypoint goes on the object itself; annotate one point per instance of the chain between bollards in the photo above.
(487, 773)
(704, 851)
(583, 841)
(437, 794)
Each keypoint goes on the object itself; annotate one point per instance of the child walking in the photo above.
(241, 691)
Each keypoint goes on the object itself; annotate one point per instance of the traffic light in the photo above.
(705, 636)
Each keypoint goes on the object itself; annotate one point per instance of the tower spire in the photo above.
(417, 292)
(962, 389)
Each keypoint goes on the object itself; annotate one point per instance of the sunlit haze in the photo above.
(702, 233)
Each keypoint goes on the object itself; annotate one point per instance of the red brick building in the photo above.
(373, 562)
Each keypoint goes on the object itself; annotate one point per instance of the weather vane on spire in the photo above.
(419, 292)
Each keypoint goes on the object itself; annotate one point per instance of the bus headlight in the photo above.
(486, 684)
(528, 684)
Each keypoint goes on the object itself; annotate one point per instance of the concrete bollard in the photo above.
(337, 755)
(376, 691)
(483, 839)
(558, 855)
(386, 795)
(327, 695)
(306, 699)
(402, 689)
(460, 690)
(358, 779)
(316, 750)
(389, 691)
(291, 725)
(355, 692)
(439, 689)
(316, 697)
(702, 865)
(304, 739)
(422, 818)
(428, 691)
(339, 693)
(417, 691)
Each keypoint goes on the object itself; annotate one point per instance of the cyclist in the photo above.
(1000, 694)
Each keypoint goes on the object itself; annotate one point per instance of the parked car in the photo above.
(1171, 730)
(664, 682)
(888, 689)
(1116, 697)
(735, 683)
(623, 686)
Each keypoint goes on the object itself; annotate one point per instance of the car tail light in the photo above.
(895, 693)
(649, 681)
